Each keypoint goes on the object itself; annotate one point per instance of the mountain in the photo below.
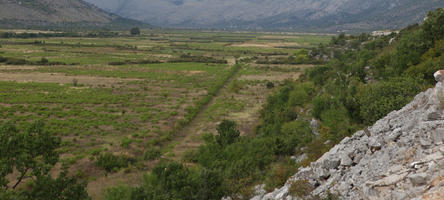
(315, 15)
(58, 14)
(400, 157)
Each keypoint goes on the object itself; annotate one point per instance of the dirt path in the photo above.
(189, 137)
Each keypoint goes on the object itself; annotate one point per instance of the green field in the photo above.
(126, 95)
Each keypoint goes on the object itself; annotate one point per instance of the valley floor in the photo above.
(158, 92)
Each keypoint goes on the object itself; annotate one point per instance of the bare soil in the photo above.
(60, 78)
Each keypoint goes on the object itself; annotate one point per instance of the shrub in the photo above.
(152, 153)
(228, 133)
(269, 85)
(126, 141)
(44, 61)
(118, 193)
(301, 188)
(110, 162)
(190, 156)
(378, 99)
(75, 82)
(175, 181)
(279, 174)
(322, 103)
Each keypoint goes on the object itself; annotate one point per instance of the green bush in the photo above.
(269, 85)
(378, 99)
(118, 193)
(152, 153)
(110, 162)
(227, 133)
(172, 181)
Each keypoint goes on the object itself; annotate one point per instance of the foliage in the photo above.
(378, 99)
(110, 162)
(301, 188)
(61, 188)
(32, 154)
(152, 153)
(269, 85)
(118, 193)
(433, 26)
(172, 181)
(227, 133)
(278, 173)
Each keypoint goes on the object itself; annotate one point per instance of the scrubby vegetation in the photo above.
(364, 80)
(131, 119)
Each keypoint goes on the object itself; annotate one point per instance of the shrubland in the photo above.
(364, 79)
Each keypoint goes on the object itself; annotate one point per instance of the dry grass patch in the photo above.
(61, 79)
(267, 45)
(17, 67)
(271, 76)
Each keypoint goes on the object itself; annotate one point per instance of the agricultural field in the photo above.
(142, 98)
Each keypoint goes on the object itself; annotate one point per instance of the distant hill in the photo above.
(59, 14)
(316, 15)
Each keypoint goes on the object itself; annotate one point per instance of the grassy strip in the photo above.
(205, 100)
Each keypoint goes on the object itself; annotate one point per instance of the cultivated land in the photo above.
(161, 90)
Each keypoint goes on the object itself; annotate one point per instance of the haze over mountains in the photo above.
(60, 13)
(322, 15)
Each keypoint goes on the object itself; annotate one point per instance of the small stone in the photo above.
(393, 136)
(434, 116)
(438, 136)
(424, 142)
(398, 195)
(418, 179)
(374, 144)
(323, 174)
(331, 163)
(300, 158)
(345, 160)
(357, 158)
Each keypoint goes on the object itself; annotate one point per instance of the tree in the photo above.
(32, 154)
(228, 133)
(135, 31)
(434, 27)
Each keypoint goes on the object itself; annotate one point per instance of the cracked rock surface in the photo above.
(403, 158)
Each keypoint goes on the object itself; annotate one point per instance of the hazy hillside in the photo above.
(328, 15)
(60, 13)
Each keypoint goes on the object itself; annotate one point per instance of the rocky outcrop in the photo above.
(400, 157)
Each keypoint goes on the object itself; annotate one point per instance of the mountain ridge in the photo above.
(314, 15)
(58, 14)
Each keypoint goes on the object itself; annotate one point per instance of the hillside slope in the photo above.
(316, 15)
(399, 157)
(60, 13)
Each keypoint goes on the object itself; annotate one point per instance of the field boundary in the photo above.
(179, 132)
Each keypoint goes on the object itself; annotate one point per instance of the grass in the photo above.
(132, 107)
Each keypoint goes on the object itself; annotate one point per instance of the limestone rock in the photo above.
(399, 157)
(346, 160)
(418, 179)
